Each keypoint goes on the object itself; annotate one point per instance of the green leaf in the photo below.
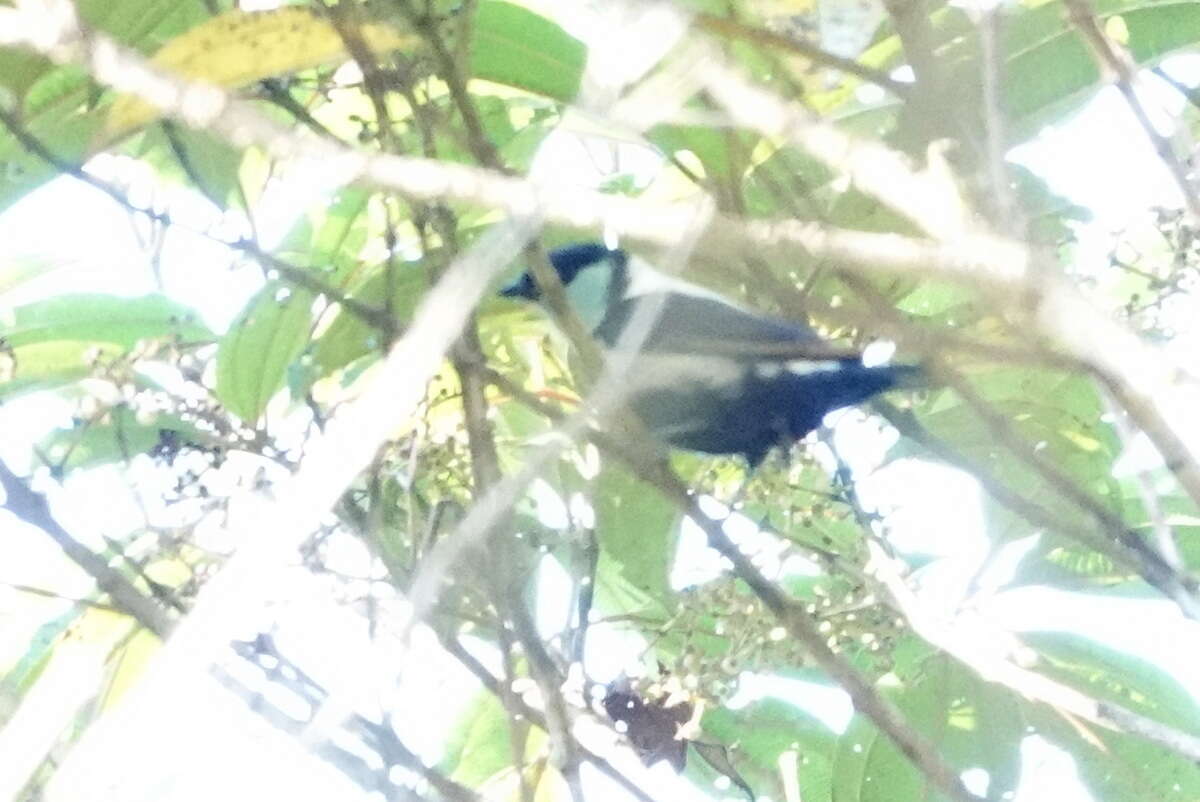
(349, 337)
(1050, 69)
(39, 650)
(118, 438)
(237, 48)
(59, 122)
(1117, 767)
(144, 24)
(45, 366)
(17, 270)
(99, 318)
(254, 355)
(19, 69)
(214, 161)
(972, 723)
(1117, 676)
(766, 729)
(58, 103)
(512, 45)
(481, 744)
(637, 530)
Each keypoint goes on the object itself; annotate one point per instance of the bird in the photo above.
(708, 375)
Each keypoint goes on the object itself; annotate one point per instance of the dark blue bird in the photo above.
(709, 375)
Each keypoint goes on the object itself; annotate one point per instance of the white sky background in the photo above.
(102, 253)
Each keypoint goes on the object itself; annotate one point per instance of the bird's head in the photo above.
(592, 273)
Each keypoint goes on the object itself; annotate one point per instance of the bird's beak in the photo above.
(521, 288)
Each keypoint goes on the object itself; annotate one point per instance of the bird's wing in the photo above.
(697, 324)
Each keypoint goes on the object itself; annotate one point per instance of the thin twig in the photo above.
(995, 136)
(733, 29)
(1116, 64)
(294, 274)
(32, 508)
(1189, 92)
(1164, 538)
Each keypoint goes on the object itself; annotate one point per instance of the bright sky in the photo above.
(103, 254)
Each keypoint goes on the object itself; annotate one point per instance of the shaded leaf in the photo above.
(636, 529)
(95, 318)
(349, 337)
(45, 366)
(480, 745)
(254, 356)
(119, 438)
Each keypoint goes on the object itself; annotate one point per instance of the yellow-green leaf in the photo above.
(237, 48)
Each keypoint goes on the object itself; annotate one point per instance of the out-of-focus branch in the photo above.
(733, 29)
(379, 737)
(928, 198)
(978, 259)
(31, 507)
(989, 23)
(1164, 538)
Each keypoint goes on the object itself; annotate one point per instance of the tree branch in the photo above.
(1117, 66)
(31, 507)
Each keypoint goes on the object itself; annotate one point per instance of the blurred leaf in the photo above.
(142, 23)
(128, 665)
(100, 319)
(16, 270)
(972, 723)
(1108, 673)
(214, 161)
(1051, 70)
(767, 728)
(514, 46)
(119, 438)
(254, 355)
(19, 69)
(58, 103)
(636, 529)
(718, 758)
(1048, 70)
(349, 337)
(45, 366)
(237, 48)
(480, 745)
(56, 115)
(38, 652)
(1116, 767)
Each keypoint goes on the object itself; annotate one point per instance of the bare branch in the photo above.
(1117, 66)
(733, 29)
(32, 508)
(1164, 538)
